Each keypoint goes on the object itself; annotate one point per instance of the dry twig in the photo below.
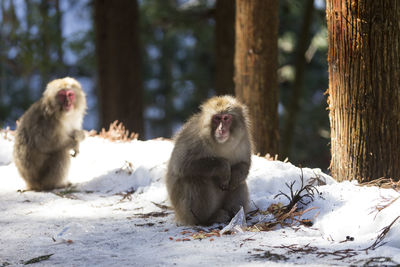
(38, 259)
(383, 183)
(127, 167)
(307, 250)
(282, 217)
(126, 195)
(299, 196)
(150, 214)
(161, 206)
(379, 240)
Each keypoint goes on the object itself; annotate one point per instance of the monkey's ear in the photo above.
(49, 105)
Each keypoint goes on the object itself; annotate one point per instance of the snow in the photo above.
(114, 216)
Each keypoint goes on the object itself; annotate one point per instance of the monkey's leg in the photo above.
(54, 172)
(204, 199)
(237, 198)
(239, 174)
(220, 216)
(232, 202)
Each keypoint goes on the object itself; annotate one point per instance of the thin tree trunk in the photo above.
(225, 46)
(59, 41)
(166, 81)
(256, 56)
(303, 41)
(364, 88)
(119, 64)
(44, 44)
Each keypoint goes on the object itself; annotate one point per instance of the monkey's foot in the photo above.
(221, 216)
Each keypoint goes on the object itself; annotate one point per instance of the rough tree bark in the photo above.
(119, 64)
(256, 56)
(364, 88)
(224, 46)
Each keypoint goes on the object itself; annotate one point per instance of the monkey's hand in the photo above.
(239, 174)
(78, 135)
(214, 168)
(222, 174)
(75, 151)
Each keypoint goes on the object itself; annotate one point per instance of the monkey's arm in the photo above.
(51, 139)
(215, 168)
(78, 136)
(239, 173)
(53, 144)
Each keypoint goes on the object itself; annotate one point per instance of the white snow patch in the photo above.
(104, 222)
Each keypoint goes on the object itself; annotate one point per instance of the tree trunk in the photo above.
(256, 56)
(293, 109)
(364, 88)
(119, 64)
(59, 38)
(166, 82)
(45, 44)
(225, 46)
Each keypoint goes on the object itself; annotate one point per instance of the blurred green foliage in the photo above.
(41, 40)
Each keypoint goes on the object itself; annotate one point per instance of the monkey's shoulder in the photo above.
(37, 127)
(32, 118)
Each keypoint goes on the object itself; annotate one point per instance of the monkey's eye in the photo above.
(66, 95)
(222, 118)
(227, 117)
(217, 118)
(70, 95)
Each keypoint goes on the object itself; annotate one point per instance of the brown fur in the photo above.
(205, 179)
(46, 134)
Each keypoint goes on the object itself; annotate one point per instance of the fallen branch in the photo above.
(38, 259)
(307, 250)
(379, 240)
(383, 183)
(149, 215)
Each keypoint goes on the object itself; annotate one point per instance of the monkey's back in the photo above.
(40, 169)
(186, 149)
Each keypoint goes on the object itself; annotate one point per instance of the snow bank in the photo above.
(114, 216)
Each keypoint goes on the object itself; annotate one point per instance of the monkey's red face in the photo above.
(66, 98)
(221, 127)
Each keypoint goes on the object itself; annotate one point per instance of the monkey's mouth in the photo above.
(221, 136)
(67, 105)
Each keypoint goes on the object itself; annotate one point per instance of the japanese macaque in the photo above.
(47, 134)
(207, 171)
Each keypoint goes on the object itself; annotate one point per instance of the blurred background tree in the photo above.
(118, 57)
(256, 60)
(183, 63)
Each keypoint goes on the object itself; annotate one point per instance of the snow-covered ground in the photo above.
(115, 216)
